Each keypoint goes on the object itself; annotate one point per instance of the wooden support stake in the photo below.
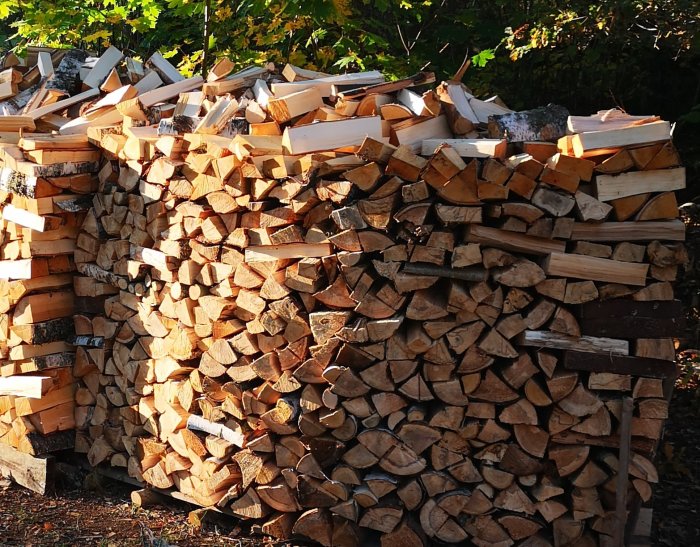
(623, 471)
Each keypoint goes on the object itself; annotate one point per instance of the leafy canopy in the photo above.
(581, 53)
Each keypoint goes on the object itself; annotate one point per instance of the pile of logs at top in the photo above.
(347, 309)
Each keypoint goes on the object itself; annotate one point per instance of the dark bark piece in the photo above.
(466, 274)
(46, 331)
(66, 75)
(15, 104)
(37, 444)
(619, 364)
(546, 123)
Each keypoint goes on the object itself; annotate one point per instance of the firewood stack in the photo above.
(46, 185)
(364, 326)
(385, 340)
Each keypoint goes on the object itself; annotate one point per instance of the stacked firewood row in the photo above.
(46, 184)
(301, 300)
(333, 343)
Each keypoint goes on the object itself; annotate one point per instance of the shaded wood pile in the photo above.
(45, 189)
(343, 308)
(46, 184)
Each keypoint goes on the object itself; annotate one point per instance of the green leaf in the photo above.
(483, 57)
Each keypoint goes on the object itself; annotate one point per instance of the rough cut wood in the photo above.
(330, 135)
(25, 386)
(515, 242)
(636, 366)
(291, 250)
(107, 61)
(468, 148)
(670, 230)
(35, 473)
(596, 269)
(589, 344)
(609, 187)
(589, 142)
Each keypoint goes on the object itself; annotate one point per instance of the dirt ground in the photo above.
(103, 516)
(677, 496)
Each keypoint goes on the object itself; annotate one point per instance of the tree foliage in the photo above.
(638, 54)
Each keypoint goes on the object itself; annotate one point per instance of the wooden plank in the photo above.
(166, 70)
(52, 157)
(44, 64)
(596, 269)
(34, 473)
(645, 319)
(36, 364)
(641, 445)
(294, 73)
(57, 418)
(642, 529)
(605, 120)
(233, 82)
(41, 141)
(468, 148)
(583, 143)
(589, 344)
(609, 187)
(623, 307)
(669, 230)
(37, 444)
(165, 93)
(10, 213)
(484, 109)
(25, 406)
(52, 248)
(42, 307)
(331, 135)
(620, 364)
(513, 241)
(153, 257)
(413, 131)
(107, 61)
(26, 268)
(113, 98)
(264, 253)
(25, 386)
(79, 126)
(461, 101)
(26, 351)
(46, 331)
(325, 85)
(149, 82)
(16, 123)
(474, 273)
(412, 101)
(290, 106)
(63, 104)
(633, 327)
